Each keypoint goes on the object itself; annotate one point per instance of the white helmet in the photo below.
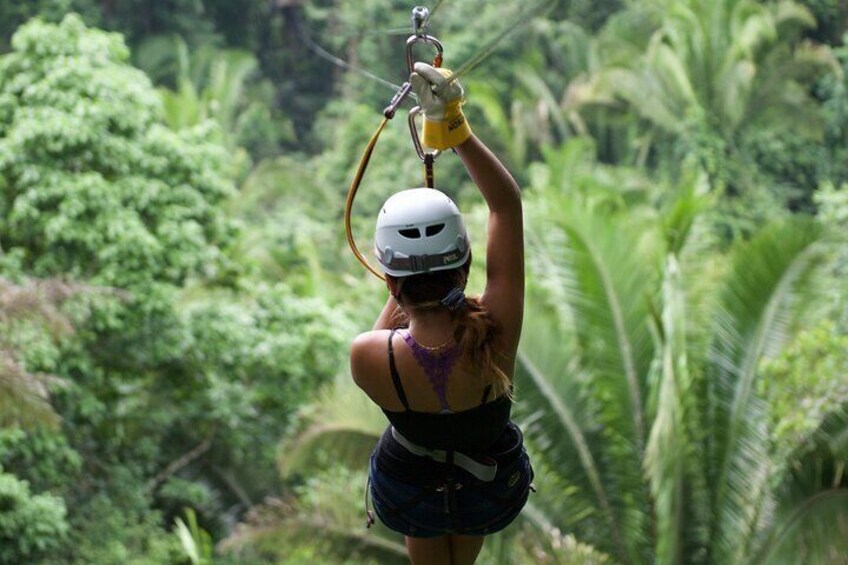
(420, 230)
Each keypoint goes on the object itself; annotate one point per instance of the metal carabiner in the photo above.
(420, 20)
(416, 140)
(423, 38)
(428, 157)
(410, 65)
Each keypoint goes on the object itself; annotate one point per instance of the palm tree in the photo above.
(210, 84)
(640, 380)
(712, 72)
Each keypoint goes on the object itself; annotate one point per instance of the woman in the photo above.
(451, 467)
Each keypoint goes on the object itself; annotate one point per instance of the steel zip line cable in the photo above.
(338, 61)
(519, 19)
(386, 31)
(326, 55)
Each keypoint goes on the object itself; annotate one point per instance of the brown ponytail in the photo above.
(475, 335)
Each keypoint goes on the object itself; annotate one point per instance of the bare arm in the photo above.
(504, 294)
(390, 317)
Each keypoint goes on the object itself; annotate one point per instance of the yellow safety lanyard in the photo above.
(351, 194)
(428, 158)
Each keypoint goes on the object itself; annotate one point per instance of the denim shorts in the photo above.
(467, 507)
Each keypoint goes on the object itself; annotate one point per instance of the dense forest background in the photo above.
(177, 296)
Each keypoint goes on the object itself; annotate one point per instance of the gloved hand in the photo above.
(444, 123)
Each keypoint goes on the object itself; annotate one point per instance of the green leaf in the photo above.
(761, 297)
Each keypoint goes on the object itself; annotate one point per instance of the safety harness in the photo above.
(480, 472)
(445, 471)
(484, 471)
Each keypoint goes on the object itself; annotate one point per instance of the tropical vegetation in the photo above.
(177, 295)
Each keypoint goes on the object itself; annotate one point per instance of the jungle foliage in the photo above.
(176, 294)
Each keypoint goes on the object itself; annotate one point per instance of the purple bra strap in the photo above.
(437, 366)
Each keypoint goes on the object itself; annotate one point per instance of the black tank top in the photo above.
(472, 430)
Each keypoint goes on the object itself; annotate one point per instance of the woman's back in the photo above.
(464, 388)
(470, 421)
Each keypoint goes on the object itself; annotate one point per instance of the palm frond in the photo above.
(548, 103)
(553, 412)
(606, 360)
(818, 527)
(755, 314)
(737, 85)
(671, 73)
(643, 92)
(540, 542)
(611, 332)
(25, 397)
(564, 415)
(813, 514)
(670, 445)
(487, 99)
(35, 306)
(778, 96)
(342, 425)
(679, 217)
(194, 540)
(182, 108)
(793, 14)
(223, 95)
(156, 55)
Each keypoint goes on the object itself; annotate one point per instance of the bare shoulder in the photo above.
(370, 369)
(367, 357)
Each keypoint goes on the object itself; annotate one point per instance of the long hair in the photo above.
(475, 328)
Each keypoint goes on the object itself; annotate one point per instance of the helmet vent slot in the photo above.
(434, 229)
(410, 233)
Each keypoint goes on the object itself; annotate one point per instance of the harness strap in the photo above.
(484, 471)
(393, 370)
(369, 515)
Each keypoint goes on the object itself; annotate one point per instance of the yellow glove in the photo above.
(445, 125)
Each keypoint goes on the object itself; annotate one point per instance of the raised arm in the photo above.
(445, 127)
(504, 294)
